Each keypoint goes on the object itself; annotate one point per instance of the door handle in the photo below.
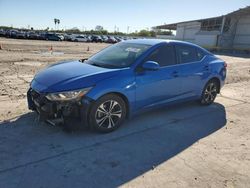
(206, 67)
(175, 74)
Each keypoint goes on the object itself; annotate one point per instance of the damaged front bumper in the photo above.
(59, 112)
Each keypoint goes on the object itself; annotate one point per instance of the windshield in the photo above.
(119, 55)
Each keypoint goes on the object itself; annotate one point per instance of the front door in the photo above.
(159, 86)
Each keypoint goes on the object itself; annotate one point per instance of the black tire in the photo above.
(107, 113)
(209, 92)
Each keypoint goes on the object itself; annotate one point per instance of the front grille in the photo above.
(38, 98)
(34, 94)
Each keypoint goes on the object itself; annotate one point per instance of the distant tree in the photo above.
(144, 33)
(47, 29)
(98, 28)
(56, 21)
(73, 30)
(152, 34)
(164, 32)
(5, 27)
(104, 32)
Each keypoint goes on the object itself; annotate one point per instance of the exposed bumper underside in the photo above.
(74, 112)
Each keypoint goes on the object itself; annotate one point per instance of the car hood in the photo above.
(71, 75)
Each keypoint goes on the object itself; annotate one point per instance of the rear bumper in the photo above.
(74, 112)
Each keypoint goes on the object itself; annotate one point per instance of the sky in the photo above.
(111, 14)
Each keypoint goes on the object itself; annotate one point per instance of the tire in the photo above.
(209, 92)
(107, 113)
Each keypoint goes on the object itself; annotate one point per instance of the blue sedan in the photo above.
(125, 79)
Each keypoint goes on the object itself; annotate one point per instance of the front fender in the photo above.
(123, 83)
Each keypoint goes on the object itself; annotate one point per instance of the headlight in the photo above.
(67, 95)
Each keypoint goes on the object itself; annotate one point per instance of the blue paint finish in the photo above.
(144, 89)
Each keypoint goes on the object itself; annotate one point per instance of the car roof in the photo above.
(153, 42)
(157, 41)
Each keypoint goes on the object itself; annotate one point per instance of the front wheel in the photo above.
(209, 93)
(108, 113)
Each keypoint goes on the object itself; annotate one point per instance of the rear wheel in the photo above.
(209, 92)
(108, 113)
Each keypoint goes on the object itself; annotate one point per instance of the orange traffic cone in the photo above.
(51, 49)
(88, 49)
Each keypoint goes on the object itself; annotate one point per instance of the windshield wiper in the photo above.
(102, 65)
(97, 65)
(111, 66)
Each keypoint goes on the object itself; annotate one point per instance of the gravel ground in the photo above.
(181, 146)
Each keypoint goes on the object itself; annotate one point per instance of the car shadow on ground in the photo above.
(56, 159)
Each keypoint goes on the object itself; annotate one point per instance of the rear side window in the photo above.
(186, 54)
(200, 54)
(164, 55)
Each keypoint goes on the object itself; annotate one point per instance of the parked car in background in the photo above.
(32, 35)
(111, 40)
(2, 33)
(45, 35)
(21, 35)
(67, 37)
(104, 38)
(118, 39)
(11, 33)
(89, 38)
(125, 79)
(96, 38)
(52, 37)
(79, 38)
(60, 36)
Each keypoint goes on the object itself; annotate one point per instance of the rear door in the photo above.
(192, 69)
(162, 85)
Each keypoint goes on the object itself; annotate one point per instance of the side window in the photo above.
(200, 54)
(186, 54)
(164, 55)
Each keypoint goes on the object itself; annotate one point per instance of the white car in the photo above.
(79, 38)
(60, 36)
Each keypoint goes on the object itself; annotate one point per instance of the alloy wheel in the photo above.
(108, 114)
(210, 92)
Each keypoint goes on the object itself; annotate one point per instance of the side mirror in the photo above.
(82, 60)
(151, 66)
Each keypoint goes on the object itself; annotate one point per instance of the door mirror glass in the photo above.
(151, 66)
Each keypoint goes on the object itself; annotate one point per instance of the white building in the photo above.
(231, 31)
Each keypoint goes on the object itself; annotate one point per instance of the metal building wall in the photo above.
(242, 34)
(190, 31)
(187, 31)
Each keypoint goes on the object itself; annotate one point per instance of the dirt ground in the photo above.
(181, 146)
